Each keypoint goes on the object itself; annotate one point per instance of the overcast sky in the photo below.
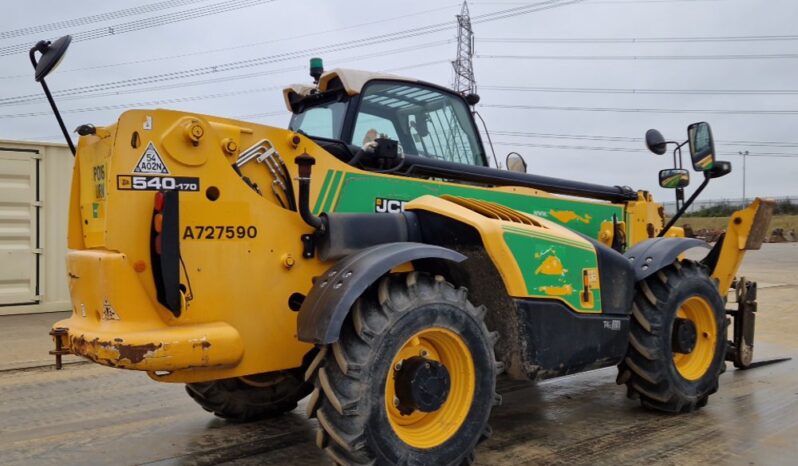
(258, 28)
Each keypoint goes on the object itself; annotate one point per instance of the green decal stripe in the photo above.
(336, 194)
(530, 252)
(333, 189)
(549, 237)
(322, 191)
(361, 189)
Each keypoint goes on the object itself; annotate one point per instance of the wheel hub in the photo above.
(684, 336)
(421, 385)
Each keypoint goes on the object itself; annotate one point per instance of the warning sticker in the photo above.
(151, 162)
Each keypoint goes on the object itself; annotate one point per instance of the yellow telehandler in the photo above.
(367, 257)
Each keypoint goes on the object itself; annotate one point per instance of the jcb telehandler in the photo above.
(369, 258)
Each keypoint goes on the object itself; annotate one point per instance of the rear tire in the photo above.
(356, 396)
(663, 378)
(245, 399)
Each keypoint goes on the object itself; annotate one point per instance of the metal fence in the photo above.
(670, 207)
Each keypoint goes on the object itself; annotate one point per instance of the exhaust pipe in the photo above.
(305, 162)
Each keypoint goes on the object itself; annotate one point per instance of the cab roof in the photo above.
(352, 81)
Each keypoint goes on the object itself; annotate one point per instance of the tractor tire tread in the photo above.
(647, 370)
(341, 423)
(236, 401)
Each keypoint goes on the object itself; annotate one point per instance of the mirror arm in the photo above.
(487, 133)
(679, 198)
(52, 102)
(685, 206)
(678, 149)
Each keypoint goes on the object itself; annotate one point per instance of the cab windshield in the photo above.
(425, 121)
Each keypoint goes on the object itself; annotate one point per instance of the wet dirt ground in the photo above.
(87, 414)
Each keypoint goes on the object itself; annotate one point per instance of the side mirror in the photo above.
(702, 147)
(674, 178)
(721, 168)
(515, 163)
(655, 142)
(52, 54)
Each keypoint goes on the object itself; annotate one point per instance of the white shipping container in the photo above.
(34, 201)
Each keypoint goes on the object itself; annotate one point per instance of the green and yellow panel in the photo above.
(556, 268)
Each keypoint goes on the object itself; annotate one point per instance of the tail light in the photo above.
(165, 249)
(157, 220)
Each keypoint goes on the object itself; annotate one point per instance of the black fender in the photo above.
(654, 254)
(326, 306)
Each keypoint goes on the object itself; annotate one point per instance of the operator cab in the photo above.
(349, 109)
(390, 124)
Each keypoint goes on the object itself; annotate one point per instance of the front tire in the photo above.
(411, 379)
(677, 343)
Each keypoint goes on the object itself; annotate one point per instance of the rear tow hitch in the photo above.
(59, 350)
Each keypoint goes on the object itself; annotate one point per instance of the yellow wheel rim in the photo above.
(693, 365)
(428, 430)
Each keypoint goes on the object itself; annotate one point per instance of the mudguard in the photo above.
(653, 254)
(326, 306)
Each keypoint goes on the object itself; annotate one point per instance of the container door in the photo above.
(18, 226)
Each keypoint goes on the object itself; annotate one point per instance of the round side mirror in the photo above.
(673, 178)
(52, 54)
(655, 142)
(515, 163)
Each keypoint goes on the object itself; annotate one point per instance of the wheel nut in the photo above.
(398, 366)
(395, 401)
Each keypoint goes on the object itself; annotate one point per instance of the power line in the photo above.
(252, 116)
(236, 47)
(590, 137)
(518, 11)
(763, 56)
(146, 23)
(635, 40)
(183, 84)
(143, 104)
(588, 90)
(479, 2)
(606, 2)
(482, 18)
(196, 98)
(641, 110)
(230, 66)
(206, 70)
(138, 10)
(627, 149)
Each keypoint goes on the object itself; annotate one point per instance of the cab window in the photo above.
(369, 127)
(323, 120)
(425, 121)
